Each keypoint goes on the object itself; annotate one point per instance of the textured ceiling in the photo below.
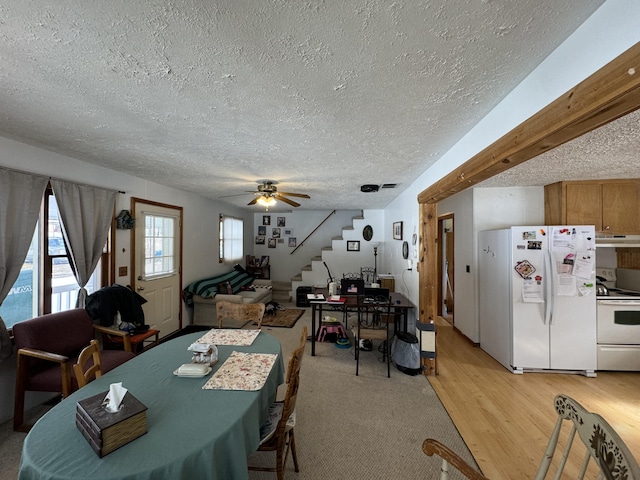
(323, 97)
(609, 152)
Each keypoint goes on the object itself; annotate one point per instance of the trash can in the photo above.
(406, 353)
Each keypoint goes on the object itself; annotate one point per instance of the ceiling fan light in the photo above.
(267, 201)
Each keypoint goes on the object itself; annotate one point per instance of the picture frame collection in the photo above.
(277, 233)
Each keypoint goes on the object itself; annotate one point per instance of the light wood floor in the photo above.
(506, 419)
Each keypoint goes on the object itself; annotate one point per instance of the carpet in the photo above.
(283, 318)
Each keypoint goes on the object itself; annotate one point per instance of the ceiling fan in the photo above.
(267, 194)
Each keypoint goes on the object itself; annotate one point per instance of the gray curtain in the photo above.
(86, 213)
(20, 200)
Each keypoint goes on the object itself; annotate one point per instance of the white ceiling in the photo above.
(212, 96)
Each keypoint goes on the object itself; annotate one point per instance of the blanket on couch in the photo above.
(208, 287)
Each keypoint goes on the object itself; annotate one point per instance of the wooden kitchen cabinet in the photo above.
(610, 205)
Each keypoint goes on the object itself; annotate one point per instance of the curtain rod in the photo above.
(60, 179)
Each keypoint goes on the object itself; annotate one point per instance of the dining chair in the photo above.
(600, 442)
(237, 315)
(94, 370)
(277, 434)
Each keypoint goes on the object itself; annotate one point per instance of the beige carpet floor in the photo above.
(364, 427)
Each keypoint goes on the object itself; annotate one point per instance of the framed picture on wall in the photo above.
(260, 239)
(353, 246)
(266, 219)
(292, 241)
(275, 232)
(262, 230)
(288, 232)
(282, 221)
(397, 230)
(272, 243)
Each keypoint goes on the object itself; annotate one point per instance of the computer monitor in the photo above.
(351, 287)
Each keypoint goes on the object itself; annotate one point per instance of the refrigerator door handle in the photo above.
(548, 304)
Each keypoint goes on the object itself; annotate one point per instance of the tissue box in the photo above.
(106, 431)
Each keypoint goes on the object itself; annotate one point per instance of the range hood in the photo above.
(628, 241)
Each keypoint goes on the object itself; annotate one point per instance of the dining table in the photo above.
(192, 432)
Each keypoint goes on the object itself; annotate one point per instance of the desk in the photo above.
(399, 302)
(192, 433)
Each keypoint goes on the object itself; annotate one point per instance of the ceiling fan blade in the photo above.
(252, 202)
(301, 195)
(286, 200)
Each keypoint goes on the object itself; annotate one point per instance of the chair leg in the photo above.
(281, 461)
(294, 455)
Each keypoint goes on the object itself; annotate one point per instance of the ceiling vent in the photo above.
(389, 185)
(369, 188)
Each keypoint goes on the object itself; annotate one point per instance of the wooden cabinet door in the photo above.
(584, 202)
(620, 208)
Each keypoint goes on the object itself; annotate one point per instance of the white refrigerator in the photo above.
(537, 297)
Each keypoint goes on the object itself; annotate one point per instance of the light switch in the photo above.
(122, 271)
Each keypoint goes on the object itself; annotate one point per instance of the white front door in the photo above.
(157, 263)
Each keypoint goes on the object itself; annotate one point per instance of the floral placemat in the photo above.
(242, 371)
(228, 336)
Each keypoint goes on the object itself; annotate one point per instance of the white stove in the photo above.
(618, 317)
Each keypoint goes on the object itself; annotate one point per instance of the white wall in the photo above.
(285, 263)
(609, 32)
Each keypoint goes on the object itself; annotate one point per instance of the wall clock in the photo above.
(367, 233)
(405, 250)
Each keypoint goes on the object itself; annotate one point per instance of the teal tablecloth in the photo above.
(192, 433)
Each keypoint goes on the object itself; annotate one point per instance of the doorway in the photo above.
(157, 263)
(446, 297)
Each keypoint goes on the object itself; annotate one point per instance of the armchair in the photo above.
(47, 347)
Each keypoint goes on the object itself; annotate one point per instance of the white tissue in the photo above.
(200, 347)
(114, 398)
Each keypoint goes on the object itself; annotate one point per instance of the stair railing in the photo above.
(312, 232)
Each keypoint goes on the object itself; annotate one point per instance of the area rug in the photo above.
(283, 318)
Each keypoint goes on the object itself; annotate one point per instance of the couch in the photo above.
(204, 294)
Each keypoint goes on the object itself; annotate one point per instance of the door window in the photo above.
(159, 245)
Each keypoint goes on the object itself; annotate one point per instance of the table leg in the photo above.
(313, 329)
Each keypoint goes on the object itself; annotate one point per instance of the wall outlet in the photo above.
(122, 271)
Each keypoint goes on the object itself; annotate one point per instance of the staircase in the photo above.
(280, 291)
(315, 273)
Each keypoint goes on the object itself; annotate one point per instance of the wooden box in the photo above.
(106, 431)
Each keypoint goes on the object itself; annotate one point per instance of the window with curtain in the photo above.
(46, 283)
(231, 239)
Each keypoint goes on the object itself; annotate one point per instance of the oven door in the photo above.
(619, 322)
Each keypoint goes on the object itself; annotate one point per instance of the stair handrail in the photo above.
(312, 232)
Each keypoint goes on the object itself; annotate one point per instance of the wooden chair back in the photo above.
(293, 382)
(603, 445)
(239, 313)
(94, 371)
(600, 443)
(291, 368)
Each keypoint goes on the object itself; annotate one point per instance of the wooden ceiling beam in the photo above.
(608, 94)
